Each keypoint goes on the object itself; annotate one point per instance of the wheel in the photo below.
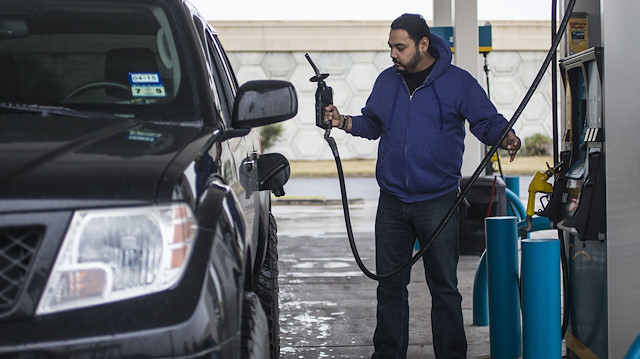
(96, 85)
(267, 288)
(254, 342)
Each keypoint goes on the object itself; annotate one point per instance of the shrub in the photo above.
(270, 134)
(537, 145)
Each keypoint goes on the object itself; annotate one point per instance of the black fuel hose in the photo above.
(472, 180)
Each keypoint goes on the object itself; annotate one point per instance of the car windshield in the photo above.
(116, 57)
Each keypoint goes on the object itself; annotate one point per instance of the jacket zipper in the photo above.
(406, 142)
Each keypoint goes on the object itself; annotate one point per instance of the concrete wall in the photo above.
(354, 53)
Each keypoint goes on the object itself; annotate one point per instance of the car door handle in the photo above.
(249, 165)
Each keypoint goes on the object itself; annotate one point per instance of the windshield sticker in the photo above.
(138, 135)
(146, 84)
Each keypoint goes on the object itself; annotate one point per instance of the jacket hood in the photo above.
(442, 52)
(78, 159)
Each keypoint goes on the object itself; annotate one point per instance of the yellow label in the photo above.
(578, 33)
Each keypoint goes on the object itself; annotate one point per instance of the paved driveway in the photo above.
(328, 306)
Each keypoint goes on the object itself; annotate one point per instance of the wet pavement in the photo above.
(327, 306)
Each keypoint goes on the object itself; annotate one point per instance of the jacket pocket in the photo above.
(427, 174)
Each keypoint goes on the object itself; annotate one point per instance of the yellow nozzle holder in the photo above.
(539, 184)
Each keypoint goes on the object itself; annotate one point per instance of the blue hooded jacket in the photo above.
(422, 134)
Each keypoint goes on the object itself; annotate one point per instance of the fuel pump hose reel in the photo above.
(324, 97)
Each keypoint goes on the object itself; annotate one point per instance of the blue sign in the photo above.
(484, 36)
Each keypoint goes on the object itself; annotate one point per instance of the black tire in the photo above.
(255, 341)
(267, 288)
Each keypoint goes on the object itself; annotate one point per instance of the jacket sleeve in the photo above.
(368, 124)
(484, 120)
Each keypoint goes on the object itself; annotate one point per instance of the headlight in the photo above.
(115, 254)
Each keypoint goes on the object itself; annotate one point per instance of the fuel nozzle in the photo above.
(538, 184)
(324, 94)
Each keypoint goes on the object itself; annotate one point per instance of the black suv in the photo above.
(134, 198)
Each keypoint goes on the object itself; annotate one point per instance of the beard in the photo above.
(411, 66)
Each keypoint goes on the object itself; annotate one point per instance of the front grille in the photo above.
(17, 251)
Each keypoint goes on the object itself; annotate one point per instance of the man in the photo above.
(417, 108)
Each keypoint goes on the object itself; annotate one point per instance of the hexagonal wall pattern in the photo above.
(536, 110)
(278, 65)
(505, 92)
(352, 75)
(362, 76)
(250, 72)
(382, 61)
(334, 63)
(503, 63)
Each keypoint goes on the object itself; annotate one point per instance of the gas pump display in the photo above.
(583, 195)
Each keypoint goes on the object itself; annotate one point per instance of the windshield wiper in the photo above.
(47, 111)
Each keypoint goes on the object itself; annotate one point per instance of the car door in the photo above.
(242, 151)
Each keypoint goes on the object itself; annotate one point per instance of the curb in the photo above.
(312, 201)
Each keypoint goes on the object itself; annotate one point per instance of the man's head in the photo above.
(409, 41)
(414, 25)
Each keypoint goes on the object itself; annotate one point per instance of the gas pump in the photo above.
(595, 201)
(582, 215)
(578, 204)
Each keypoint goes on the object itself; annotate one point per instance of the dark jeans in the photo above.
(398, 224)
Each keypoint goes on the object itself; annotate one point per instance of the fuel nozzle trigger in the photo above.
(324, 94)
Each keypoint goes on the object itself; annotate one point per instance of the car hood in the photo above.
(67, 161)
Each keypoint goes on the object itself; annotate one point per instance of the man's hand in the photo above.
(512, 144)
(332, 115)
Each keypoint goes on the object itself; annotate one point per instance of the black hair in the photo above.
(414, 25)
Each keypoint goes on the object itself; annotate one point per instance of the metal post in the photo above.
(504, 296)
(541, 318)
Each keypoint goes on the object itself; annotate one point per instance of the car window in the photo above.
(222, 63)
(222, 82)
(112, 55)
(222, 102)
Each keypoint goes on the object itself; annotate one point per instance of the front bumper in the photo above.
(193, 338)
(188, 321)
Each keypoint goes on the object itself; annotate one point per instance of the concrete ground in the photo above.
(327, 305)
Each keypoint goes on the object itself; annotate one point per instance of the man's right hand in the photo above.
(332, 115)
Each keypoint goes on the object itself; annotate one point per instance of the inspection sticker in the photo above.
(145, 136)
(146, 84)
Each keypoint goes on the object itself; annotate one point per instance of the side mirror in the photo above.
(274, 171)
(263, 102)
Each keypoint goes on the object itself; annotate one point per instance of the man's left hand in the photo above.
(512, 144)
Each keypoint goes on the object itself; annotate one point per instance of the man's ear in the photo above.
(424, 44)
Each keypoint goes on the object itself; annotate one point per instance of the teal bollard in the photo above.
(634, 350)
(514, 203)
(504, 297)
(541, 318)
(480, 295)
(513, 183)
